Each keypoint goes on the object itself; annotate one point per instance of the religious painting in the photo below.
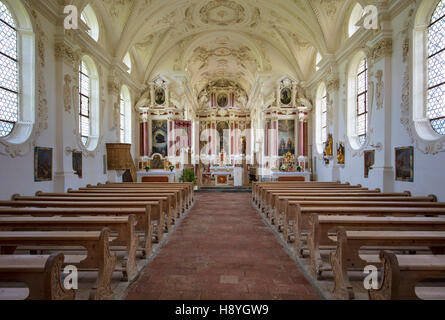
(222, 100)
(369, 161)
(286, 96)
(159, 137)
(43, 164)
(160, 96)
(405, 164)
(157, 163)
(77, 163)
(341, 153)
(286, 137)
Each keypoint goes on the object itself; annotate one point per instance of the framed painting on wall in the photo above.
(77, 163)
(159, 137)
(405, 164)
(369, 161)
(43, 164)
(286, 137)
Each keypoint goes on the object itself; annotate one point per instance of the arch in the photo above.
(321, 123)
(18, 80)
(354, 18)
(88, 113)
(88, 16)
(358, 101)
(125, 115)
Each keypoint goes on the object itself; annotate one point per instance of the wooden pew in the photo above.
(283, 202)
(301, 219)
(263, 193)
(323, 226)
(258, 185)
(401, 273)
(124, 226)
(152, 208)
(267, 195)
(143, 217)
(186, 189)
(96, 243)
(41, 274)
(177, 198)
(348, 244)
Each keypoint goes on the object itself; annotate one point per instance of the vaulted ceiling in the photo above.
(211, 39)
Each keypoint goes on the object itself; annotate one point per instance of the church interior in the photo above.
(222, 149)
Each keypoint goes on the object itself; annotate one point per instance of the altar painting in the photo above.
(159, 137)
(286, 137)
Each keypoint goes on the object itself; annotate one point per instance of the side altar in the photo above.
(157, 169)
(291, 169)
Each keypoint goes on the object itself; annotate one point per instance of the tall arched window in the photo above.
(127, 61)
(9, 72)
(357, 111)
(321, 125)
(125, 116)
(362, 100)
(84, 99)
(356, 15)
(436, 69)
(89, 18)
(88, 113)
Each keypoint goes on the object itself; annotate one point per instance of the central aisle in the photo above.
(222, 251)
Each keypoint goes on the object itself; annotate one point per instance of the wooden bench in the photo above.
(186, 188)
(96, 243)
(179, 205)
(401, 273)
(124, 226)
(155, 209)
(348, 244)
(323, 226)
(143, 217)
(256, 186)
(303, 214)
(41, 274)
(283, 202)
(266, 198)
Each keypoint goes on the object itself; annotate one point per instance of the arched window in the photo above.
(85, 101)
(358, 109)
(89, 18)
(125, 116)
(318, 59)
(17, 76)
(356, 15)
(127, 61)
(9, 72)
(88, 113)
(436, 69)
(362, 100)
(321, 125)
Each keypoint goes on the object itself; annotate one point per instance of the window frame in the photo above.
(88, 98)
(362, 136)
(18, 70)
(21, 139)
(427, 61)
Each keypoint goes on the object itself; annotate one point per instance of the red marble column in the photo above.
(266, 139)
(305, 138)
(143, 129)
(300, 138)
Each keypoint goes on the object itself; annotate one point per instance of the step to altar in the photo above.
(230, 189)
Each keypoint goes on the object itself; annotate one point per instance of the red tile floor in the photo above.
(222, 251)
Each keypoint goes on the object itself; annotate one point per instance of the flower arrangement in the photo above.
(299, 169)
(283, 168)
(147, 168)
(171, 167)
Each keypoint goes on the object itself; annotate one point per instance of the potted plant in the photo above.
(171, 167)
(299, 169)
(188, 176)
(147, 168)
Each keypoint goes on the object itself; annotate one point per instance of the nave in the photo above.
(223, 250)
